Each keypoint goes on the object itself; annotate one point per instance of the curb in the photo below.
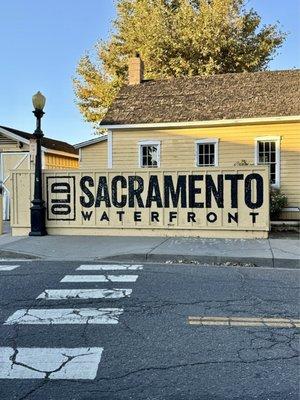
(168, 259)
(12, 255)
(205, 259)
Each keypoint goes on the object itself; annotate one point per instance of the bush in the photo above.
(278, 201)
(241, 163)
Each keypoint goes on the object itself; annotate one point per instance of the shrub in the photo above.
(241, 163)
(278, 201)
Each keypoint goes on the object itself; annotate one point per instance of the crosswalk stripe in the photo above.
(64, 316)
(100, 278)
(8, 267)
(50, 363)
(60, 294)
(108, 267)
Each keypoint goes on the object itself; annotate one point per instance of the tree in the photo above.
(174, 38)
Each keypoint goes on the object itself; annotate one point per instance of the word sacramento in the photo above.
(184, 191)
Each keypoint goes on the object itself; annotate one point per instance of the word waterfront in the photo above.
(171, 217)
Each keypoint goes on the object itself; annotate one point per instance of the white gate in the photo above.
(8, 162)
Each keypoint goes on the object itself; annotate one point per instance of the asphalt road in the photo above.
(147, 349)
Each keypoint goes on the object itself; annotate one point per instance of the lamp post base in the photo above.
(40, 233)
(38, 219)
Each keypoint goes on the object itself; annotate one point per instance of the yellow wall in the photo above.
(94, 156)
(55, 161)
(236, 142)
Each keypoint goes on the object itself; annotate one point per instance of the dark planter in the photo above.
(274, 216)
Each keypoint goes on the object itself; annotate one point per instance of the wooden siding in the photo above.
(94, 156)
(7, 144)
(56, 161)
(236, 143)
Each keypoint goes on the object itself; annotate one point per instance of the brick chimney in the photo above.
(135, 70)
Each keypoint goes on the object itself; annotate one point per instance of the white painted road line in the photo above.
(99, 278)
(65, 316)
(62, 294)
(244, 321)
(109, 267)
(8, 267)
(55, 363)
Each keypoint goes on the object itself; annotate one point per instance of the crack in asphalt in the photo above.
(112, 314)
(32, 391)
(248, 298)
(48, 374)
(270, 342)
(69, 358)
(272, 339)
(198, 363)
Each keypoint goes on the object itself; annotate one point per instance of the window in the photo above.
(149, 154)
(207, 153)
(267, 152)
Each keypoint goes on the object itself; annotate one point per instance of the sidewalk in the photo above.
(282, 250)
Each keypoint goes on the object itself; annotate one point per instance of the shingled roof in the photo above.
(48, 143)
(205, 98)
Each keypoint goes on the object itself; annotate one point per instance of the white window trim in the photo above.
(277, 140)
(149, 143)
(215, 142)
(109, 149)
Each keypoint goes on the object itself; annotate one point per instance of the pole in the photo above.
(38, 210)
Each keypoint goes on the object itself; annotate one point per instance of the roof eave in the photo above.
(13, 136)
(90, 142)
(18, 138)
(186, 124)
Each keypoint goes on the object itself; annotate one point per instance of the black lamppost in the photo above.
(38, 210)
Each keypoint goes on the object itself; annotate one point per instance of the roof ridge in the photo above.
(235, 74)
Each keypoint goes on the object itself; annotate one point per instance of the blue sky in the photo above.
(42, 41)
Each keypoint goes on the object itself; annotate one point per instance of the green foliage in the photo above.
(241, 163)
(278, 201)
(174, 38)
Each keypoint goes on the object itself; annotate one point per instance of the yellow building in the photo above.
(93, 153)
(17, 151)
(205, 122)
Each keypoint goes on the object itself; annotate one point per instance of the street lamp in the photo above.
(38, 210)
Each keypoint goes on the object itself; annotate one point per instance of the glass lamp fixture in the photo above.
(38, 101)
